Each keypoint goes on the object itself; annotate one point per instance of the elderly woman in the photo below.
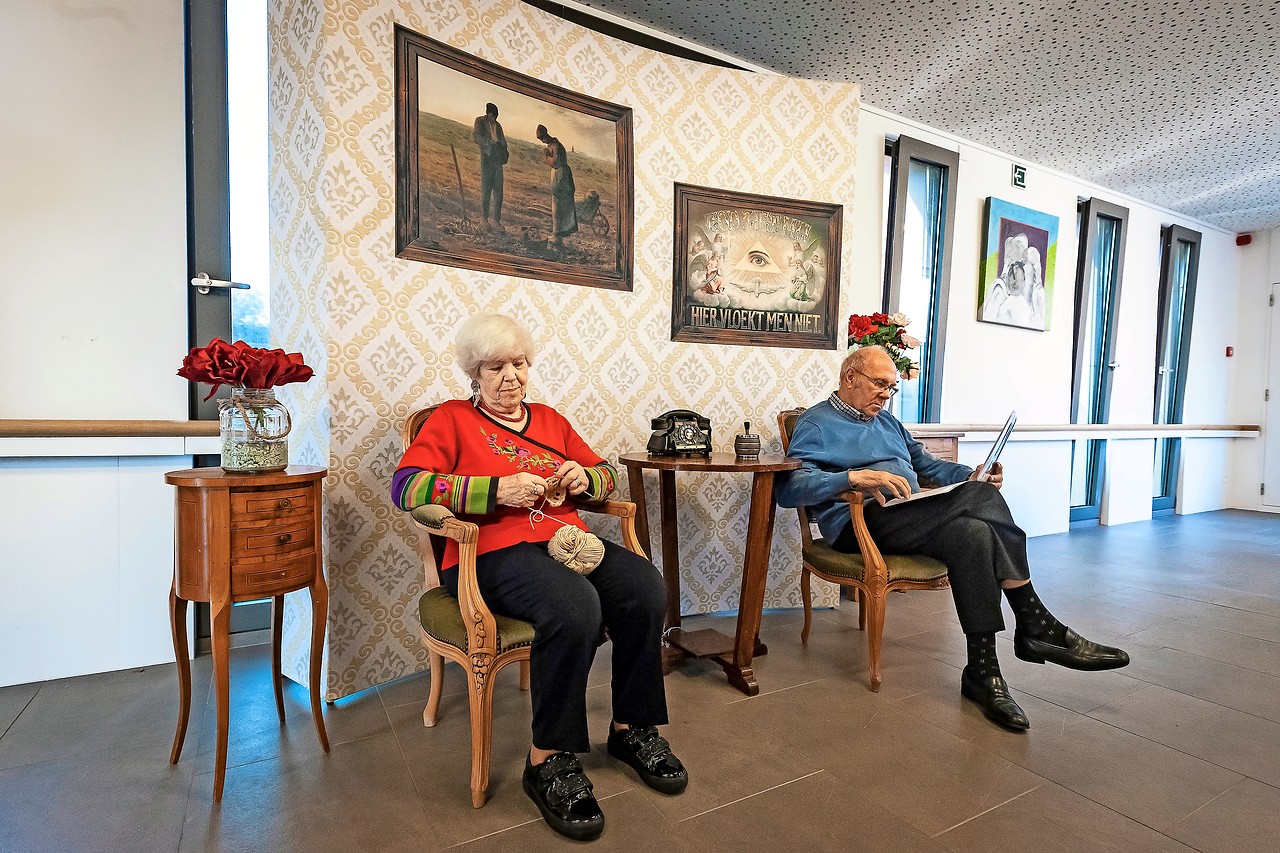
(494, 457)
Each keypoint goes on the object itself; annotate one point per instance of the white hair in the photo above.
(489, 337)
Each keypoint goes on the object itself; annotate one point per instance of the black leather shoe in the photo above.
(991, 694)
(650, 755)
(562, 793)
(1075, 652)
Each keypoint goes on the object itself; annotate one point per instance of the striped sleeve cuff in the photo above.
(601, 481)
(463, 495)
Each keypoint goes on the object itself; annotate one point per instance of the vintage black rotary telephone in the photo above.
(680, 432)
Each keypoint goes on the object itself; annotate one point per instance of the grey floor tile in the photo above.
(1141, 779)
(13, 701)
(1242, 651)
(1222, 736)
(817, 812)
(124, 798)
(360, 797)
(1221, 683)
(1242, 819)
(1051, 819)
(72, 716)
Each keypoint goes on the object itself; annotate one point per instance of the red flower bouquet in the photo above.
(888, 331)
(219, 363)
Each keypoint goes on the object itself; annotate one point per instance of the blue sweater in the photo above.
(830, 445)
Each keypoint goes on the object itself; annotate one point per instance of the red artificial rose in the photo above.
(880, 319)
(219, 363)
(861, 326)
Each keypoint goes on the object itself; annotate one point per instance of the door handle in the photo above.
(1112, 365)
(203, 284)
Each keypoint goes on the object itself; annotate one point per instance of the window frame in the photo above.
(1170, 237)
(904, 150)
(1091, 210)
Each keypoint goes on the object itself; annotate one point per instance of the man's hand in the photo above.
(995, 476)
(876, 483)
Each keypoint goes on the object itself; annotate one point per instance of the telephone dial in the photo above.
(680, 432)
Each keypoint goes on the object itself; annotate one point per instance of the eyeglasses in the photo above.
(881, 386)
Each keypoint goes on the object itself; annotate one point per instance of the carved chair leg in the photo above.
(524, 675)
(429, 713)
(481, 695)
(862, 608)
(806, 585)
(875, 634)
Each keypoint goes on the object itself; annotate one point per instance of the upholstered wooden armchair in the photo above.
(463, 629)
(871, 574)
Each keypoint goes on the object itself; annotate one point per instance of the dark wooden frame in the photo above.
(757, 322)
(934, 332)
(413, 245)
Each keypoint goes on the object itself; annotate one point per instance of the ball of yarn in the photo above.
(577, 549)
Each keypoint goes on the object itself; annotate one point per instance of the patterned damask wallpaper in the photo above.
(379, 329)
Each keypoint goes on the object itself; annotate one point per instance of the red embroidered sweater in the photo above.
(460, 454)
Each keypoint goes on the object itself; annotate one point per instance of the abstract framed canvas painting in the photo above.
(1015, 283)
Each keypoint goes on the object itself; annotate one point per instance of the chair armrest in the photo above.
(625, 512)
(875, 572)
(477, 618)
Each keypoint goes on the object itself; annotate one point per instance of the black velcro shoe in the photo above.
(991, 694)
(562, 792)
(649, 754)
(1075, 652)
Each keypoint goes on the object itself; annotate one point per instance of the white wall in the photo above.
(93, 304)
(991, 369)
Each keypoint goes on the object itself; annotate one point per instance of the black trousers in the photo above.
(624, 594)
(971, 530)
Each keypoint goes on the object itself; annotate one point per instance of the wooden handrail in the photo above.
(14, 428)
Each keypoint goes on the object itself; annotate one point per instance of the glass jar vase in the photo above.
(254, 426)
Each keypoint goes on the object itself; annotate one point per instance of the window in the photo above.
(247, 123)
(1101, 262)
(1179, 266)
(920, 224)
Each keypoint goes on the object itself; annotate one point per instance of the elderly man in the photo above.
(848, 442)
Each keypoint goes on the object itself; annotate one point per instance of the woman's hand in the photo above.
(571, 475)
(522, 489)
(877, 482)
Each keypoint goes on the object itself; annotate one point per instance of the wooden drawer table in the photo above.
(242, 537)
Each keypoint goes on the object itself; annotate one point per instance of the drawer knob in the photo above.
(285, 504)
(285, 537)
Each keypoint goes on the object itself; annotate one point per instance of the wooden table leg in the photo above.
(319, 614)
(277, 640)
(635, 484)
(670, 545)
(755, 571)
(178, 621)
(220, 641)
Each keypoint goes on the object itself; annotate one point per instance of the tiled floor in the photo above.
(1179, 751)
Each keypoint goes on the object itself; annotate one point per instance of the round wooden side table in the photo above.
(241, 537)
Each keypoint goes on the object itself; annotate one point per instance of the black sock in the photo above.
(1032, 616)
(982, 655)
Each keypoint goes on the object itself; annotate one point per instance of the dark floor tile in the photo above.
(1242, 819)
(817, 812)
(360, 797)
(1079, 691)
(254, 730)
(13, 701)
(1221, 683)
(1051, 819)
(1252, 602)
(1235, 620)
(124, 798)
(72, 716)
(1245, 652)
(1219, 735)
(1141, 779)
